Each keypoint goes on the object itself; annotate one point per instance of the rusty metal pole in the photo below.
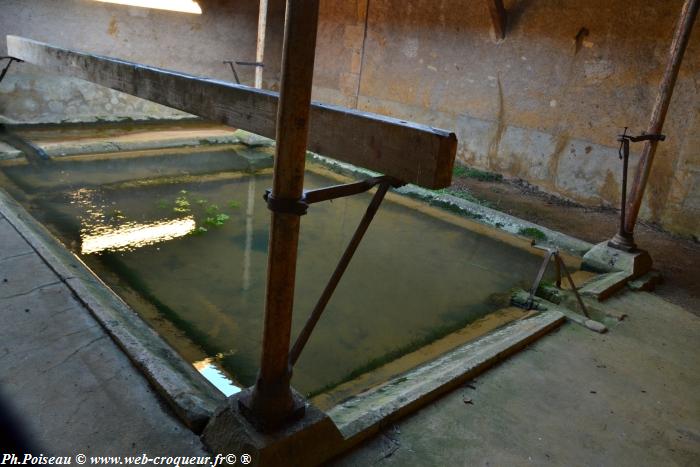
(663, 98)
(271, 403)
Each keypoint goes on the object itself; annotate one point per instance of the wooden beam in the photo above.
(260, 47)
(271, 403)
(498, 17)
(410, 152)
(663, 99)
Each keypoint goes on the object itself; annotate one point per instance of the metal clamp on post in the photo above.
(301, 206)
(297, 207)
(233, 68)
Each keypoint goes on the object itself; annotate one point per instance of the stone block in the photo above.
(603, 258)
(311, 440)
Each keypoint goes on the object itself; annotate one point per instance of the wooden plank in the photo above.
(260, 45)
(408, 151)
(681, 36)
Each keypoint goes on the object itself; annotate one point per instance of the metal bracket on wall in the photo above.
(299, 208)
(233, 68)
(7, 66)
(33, 153)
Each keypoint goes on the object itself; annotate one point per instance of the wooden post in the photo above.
(498, 17)
(260, 49)
(272, 403)
(658, 115)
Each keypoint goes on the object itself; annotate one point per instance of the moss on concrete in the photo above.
(461, 171)
(533, 232)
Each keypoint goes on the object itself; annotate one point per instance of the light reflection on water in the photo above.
(104, 227)
(131, 235)
(216, 376)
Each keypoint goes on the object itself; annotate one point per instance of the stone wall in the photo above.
(195, 44)
(544, 105)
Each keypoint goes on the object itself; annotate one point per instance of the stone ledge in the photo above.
(481, 214)
(365, 414)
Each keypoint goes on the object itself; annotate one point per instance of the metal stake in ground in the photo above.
(271, 403)
(553, 253)
(624, 239)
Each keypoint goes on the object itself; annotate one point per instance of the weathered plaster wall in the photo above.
(195, 44)
(544, 105)
(28, 96)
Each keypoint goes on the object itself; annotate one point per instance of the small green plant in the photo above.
(206, 214)
(532, 232)
(182, 204)
(162, 204)
(217, 220)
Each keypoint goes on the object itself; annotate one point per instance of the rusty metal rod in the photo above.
(538, 278)
(7, 66)
(233, 69)
(560, 261)
(623, 201)
(658, 115)
(272, 403)
(339, 191)
(338, 273)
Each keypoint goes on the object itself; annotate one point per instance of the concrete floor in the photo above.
(575, 398)
(63, 376)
